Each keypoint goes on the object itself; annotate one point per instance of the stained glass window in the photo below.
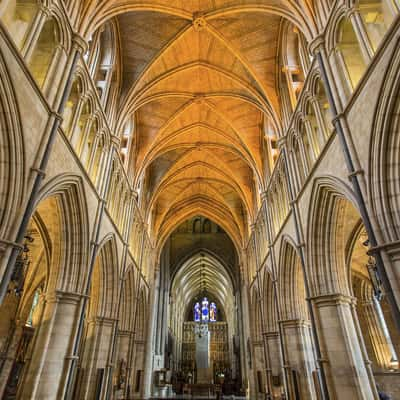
(196, 312)
(213, 312)
(206, 312)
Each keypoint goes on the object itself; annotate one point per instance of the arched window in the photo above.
(207, 226)
(204, 311)
(270, 147)
(71, 106)
(17, 18)
(196, 312)
(308, 148)
(44, 51)
(213, 312)
(350, 54)
(33, 317)
(127, 138)
(317, 137)
(197, 226)
(292, 62)
(78, 130)
(103, 67)
(325, 110)
(285, 97)
(96, 165)
(377, 16)
(299, 161)
(87, 148)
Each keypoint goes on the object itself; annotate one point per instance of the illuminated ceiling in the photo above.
(200, 78)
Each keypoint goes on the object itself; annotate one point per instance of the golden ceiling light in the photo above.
(198, 75)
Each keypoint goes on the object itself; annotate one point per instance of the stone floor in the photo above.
(197, 397)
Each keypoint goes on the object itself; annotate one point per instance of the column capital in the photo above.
(135, 194)
(116, 141)
(45, 10)
(316, 44)
(294, 323)
(352, 11)
(59, 296)
(69, 296)
(79, 43)
(264, 195)
(333, 299)
(392, 247)
(103, 320)
(281, 142)
(270, 334)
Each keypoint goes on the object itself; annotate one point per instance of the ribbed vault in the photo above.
(200, 275)
(199, 79)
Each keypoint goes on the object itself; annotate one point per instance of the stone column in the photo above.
(96, 356)
(163, 300)
(148, 371)
(7, 358)
(246, 357)
(298, 345)
(381, 343)
(275, 375)
(121, 363)
(347, 376)
(44, 377)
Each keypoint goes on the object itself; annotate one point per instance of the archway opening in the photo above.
(198, 314)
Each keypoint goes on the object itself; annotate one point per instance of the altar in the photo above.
(205, 351)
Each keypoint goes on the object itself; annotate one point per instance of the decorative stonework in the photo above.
(199, 24)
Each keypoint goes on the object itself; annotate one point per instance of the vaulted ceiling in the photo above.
(200, 79)
(203, 275)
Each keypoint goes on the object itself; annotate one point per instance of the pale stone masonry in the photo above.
(153, 154)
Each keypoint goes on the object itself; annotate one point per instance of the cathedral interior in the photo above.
(200, 199)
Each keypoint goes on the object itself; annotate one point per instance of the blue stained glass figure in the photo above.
(197, 312)
(204, 310)
(213, 312)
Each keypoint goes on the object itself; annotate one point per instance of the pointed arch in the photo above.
(271, 318)
(291, 282)
(104, 284)
(69, 195)
(12, 168)
(330, 221)
(384, 156)
(127, 312)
